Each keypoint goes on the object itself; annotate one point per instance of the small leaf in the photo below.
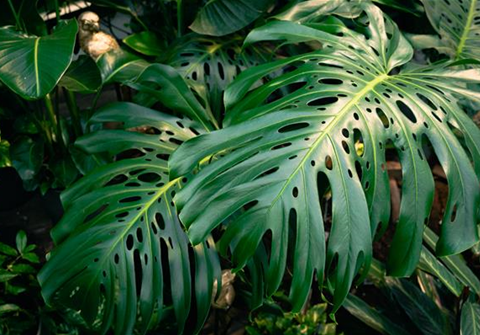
(470, 319)
(22, 269)
(6, 275)
(21, 241)
(27, 158)
(8, 308)
(15, 290)
(7, 250)
(31, 257)
(5, 154)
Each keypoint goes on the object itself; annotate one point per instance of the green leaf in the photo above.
(64, 170)
(456, 264)
(120, 66)
(456, 21)
(121, 252)
(26, 65)
(5, 154)
(146, 43)
(222, 17)
(470, 319)
(86, 163)
(429, 263)
(27, 158)
(31, 257)
(311, 10)
(9, 308)
(371, 317)
(165, 84)
(291, 140)
(14, 289)
(23, 268)
(213, 63)
(7, 250)
(21, 241)
(420, 309)
(6, 275)
(82, 76)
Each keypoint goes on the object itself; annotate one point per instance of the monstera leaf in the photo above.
(210, 64)
(122, 257)
(26, 65)
(458, 24)
(324, 124)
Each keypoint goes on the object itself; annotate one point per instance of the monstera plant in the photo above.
(139, 238)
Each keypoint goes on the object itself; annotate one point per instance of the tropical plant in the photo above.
(22, 309)
(279, 166)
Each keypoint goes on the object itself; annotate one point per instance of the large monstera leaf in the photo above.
(210, 64)
(122, 257)
(325, 124)
(458, 24)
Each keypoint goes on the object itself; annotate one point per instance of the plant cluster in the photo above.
(252, 136)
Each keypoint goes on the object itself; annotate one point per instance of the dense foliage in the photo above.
(254, 137)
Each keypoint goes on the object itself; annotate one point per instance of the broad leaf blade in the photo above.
(456, 21)
(82, 76)
(122, 256)
(470, 319)
(26, 65)
(292, 138)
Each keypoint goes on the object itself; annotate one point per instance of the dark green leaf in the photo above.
(222, 17)
(212, 64)
(120, 66)
(428, 318)
(27, 158)
(146, 43)
(7, 250)
(31, 257)
(86, 163)
(64, 171)
(371, 317)
(470, 319)
(166, 85)
(6, 275)
(289, 141)
(26, 62)
(82, 76)
(456, 264)
(14, 289)
(23, 268)
(120, 220)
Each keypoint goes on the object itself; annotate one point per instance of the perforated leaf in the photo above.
(122, 257)
(210, 64)
(458, 24)
(325, 123)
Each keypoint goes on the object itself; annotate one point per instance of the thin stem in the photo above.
(57, 11)
(46, 131)
(15, 15)
(179, 18)
(55, 125)
(74, 111)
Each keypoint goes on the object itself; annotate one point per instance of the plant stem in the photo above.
(55, 125)
(46, 131)
(15, 15)
(74, 111)
(179, 18)
(57, 12)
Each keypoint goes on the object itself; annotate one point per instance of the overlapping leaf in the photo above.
(458, 24)
(325, 124)
(122, 257)
(210, 64)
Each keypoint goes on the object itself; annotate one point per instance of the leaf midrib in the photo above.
(466, 30)
(35, 62)
(369, 87)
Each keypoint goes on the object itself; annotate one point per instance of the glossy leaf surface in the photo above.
(470, 319)
(458, 24)
(122, 257)
(223, 17)
(31, 66)
(292, 139)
